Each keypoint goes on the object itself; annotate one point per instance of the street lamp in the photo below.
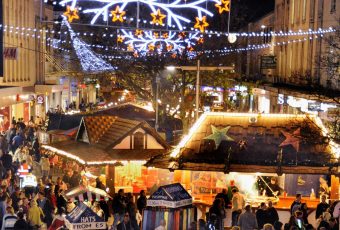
(158, 80)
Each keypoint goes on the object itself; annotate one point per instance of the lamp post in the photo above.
(157, 89)
(197, 87)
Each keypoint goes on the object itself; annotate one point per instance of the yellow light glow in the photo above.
(334, 147)
(81, 161)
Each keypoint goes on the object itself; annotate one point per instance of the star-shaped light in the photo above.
(139, 33)
(157, 17)
(156, 35)
(190, 48)
(165, 35)
(219, 135)
(117, 14)
(71, 14)
(135, 54)
(181, 35)
(151, 47)
(130, 47)
(201, 24)
(120, 38)
(200, 41)
(224, 5)
(169, 47)
(292, 139)
(174, 55)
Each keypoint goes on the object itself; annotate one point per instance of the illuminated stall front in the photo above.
(247, 150)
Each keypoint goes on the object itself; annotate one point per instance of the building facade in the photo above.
(300, 60)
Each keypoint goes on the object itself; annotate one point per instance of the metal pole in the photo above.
(157, 89)
(137, 15)
(229, 16)
(198, 87)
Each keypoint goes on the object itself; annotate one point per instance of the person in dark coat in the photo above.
(273, 216)
(46, 207)
(322, 207)
(216, 214)
(119, 207)
(36, 149)
(261, 215)
(126, 223)
(132, 210)
(224, 195)
(7, 161)
(296, 205)
(141, 201)
(21, 223)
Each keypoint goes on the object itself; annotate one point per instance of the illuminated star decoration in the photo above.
(219, 135)
(71, 14)
(201, 24)
(117, 15)
(169, 47)
(224, 5)
(130, 47)
(156, 35)
(141, 43)
(157, 17)
(120, 38)
(200, 41)
(165, 35)
(292, 139)
(181, 35)
(151, 47)
(139, 33)
(174, 9)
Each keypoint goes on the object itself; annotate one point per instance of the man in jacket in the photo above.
(247, 220)
(237, 204)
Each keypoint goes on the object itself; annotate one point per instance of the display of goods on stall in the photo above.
(170, 204)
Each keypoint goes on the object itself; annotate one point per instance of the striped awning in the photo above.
(86, 193)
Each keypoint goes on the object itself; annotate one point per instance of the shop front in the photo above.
(15, 103)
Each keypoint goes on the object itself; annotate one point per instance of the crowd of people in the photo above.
(246, 217)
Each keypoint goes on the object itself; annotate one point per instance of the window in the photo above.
(138, 141)
(333, 6)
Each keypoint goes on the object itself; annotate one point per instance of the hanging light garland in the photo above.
(88, 59)
(170, 41)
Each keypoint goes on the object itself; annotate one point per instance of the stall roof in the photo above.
(171, 196)
(268, 143)
(98, 137)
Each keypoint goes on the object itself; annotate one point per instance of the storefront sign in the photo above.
(172, 196)
(40, 99)
(280, 99)
(11, 53)
(268, 62)
(82, 217)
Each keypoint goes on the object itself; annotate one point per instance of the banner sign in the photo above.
(11, 53)
(268, 62)
(82, 217)
(171, 196)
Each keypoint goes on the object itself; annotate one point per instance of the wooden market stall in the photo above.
(104, 142)
(294, 147)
